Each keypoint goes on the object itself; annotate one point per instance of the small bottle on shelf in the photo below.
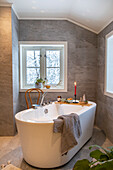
(59, 98)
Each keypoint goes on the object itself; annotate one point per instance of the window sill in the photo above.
(108, 94)
(47, 90)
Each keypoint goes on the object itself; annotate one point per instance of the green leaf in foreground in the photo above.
(99, 156)
(104, 166)
(82, 165)
(100, 147)
(104, 158)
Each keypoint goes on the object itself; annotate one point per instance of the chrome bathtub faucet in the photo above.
(43, 96)
(36, 106)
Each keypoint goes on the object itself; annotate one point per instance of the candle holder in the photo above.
(75, 99)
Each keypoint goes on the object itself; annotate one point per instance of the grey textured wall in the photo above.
(104, 117)
(9, 70)
(82, 54)
(15, 63)
(6, 94)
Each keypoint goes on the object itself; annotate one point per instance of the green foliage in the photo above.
(39, 81)
(102, 160)
(82, 165)
(105, 166)
(100, 147)
(98, 155)
(104, 157)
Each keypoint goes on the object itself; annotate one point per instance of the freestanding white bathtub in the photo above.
(41, 147)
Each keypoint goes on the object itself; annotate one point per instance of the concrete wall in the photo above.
(9, 70)
(15, 63)
(6, 88)
(82, 54)
(104, 117)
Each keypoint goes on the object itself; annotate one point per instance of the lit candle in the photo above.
(75, 86)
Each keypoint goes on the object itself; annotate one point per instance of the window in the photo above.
(46, 60)
(109, 65)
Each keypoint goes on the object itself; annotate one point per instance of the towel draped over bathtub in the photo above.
(70, 129)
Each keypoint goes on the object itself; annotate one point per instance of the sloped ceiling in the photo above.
(91, 14)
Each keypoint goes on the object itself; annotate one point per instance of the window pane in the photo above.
(110, 64)
(32, 74)
(33, 58)
(53, 75)
(53, 58)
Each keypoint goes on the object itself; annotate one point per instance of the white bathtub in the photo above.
(41, 147)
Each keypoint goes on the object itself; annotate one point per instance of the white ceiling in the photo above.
(92, 14)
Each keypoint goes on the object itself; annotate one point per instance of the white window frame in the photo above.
(64, 43)
(110, 94)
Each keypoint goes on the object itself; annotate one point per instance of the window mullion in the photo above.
(25, 65)
(61, 66)
(52, 67)
(45, 63)
(42, 63)
(32, 67)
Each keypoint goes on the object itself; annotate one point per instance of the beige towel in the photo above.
(70, 129)
(11, 167)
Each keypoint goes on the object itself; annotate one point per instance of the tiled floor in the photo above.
(10, 149)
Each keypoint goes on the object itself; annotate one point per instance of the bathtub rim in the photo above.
(51, 122)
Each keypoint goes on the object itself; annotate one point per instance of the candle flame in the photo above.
(75, 83)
